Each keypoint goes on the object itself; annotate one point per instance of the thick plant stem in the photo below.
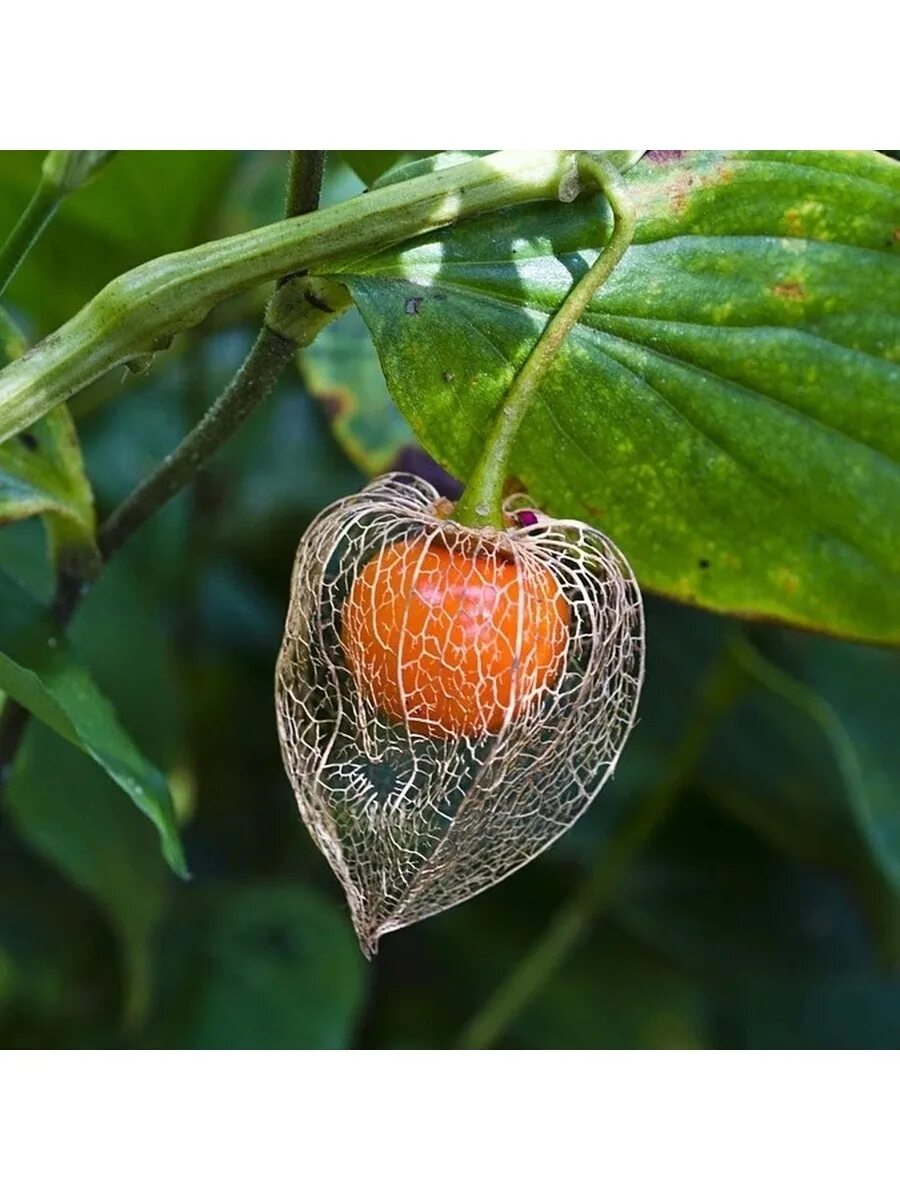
(576, 916)
(254, 381)
(41, 207)
(482, 499)
(141, 311)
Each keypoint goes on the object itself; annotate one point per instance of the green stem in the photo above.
(142, 310)
(574, 918)
(41, 207)
(481, 502)
(62, 171)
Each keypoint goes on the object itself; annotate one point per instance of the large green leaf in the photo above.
(727, 407)
(39, 670)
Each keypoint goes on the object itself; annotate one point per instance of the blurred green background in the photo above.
(763, 913)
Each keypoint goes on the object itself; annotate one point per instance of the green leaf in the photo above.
(722, 904)
(683, 645)
(279, 969)
(39, 670)
(641, 1002)
(370, 164)
(859, 1012)
(846, 694)
(779, 947)
(72, 814)
(341, 370)
(42, 474)
(612, 993)
(726, 409)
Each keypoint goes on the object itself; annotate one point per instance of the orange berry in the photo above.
(446, 640)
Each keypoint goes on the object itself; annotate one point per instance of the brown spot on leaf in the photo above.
(665, 156)
(679, 193)
(789, 290)
(794, 223)
(413, 306)
(334, 403)
(448, 376)
(787, 580)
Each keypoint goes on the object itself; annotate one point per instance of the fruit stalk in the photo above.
(481, 502)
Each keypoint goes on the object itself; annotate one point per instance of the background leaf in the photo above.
(142, 204)
(42, 474)
(266, 967)
(39, 670)
(847, 694)
(726, 410)
(341, 370)
(370, 164)
(73, 815)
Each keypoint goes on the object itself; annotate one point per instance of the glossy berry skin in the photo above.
(453, 642)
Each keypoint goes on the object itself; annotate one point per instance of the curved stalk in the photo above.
(41, 207)
(61, 173)
(142, 310)
(481, 502)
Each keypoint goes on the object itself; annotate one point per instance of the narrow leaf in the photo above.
(38, 669)
(42, 474)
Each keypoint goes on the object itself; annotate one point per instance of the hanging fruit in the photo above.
(449, 700)
(456, 684)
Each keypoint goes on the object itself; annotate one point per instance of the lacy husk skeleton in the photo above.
(415, 818)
